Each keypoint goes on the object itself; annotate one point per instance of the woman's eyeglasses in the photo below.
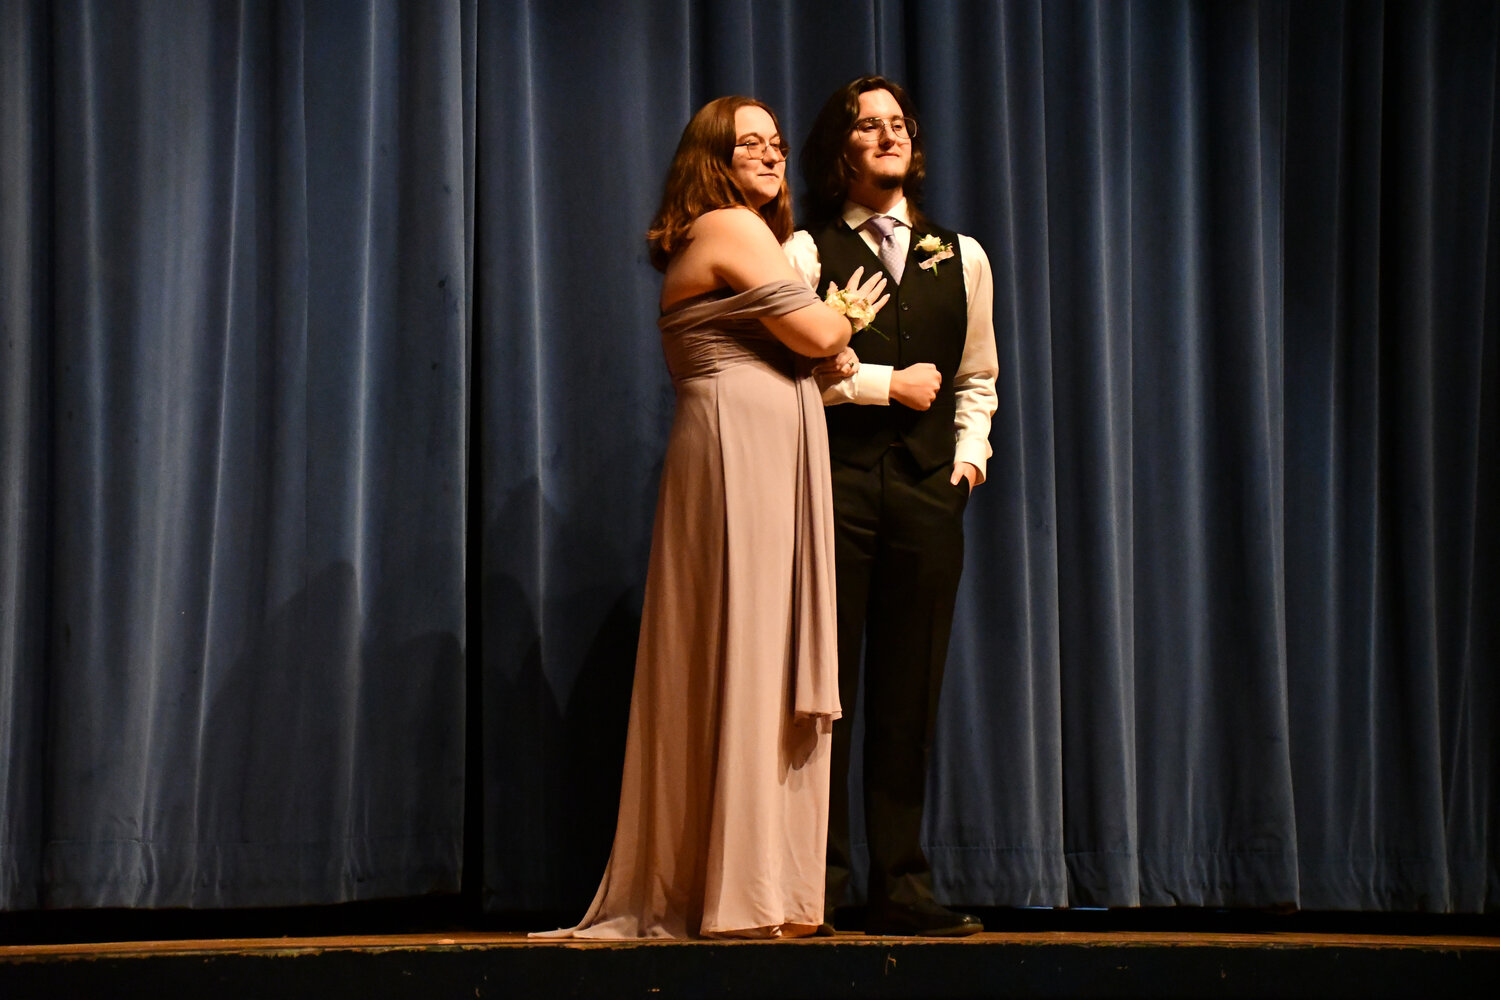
(757, 147)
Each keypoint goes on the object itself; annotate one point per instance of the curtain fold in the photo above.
(258, 335)
(25, 193)
(332, 411)
(1390, 277)
(1002, 838)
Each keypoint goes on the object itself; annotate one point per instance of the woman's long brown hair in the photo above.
(699, 180)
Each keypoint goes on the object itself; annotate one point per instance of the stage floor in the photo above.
(1012, 964)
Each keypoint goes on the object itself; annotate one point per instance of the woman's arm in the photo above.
(740, 251)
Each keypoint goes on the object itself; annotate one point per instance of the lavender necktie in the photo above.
(891, 256)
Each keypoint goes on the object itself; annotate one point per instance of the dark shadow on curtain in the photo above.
(555, 751)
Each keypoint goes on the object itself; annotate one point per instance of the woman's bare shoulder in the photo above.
(732, 246)
(736, 220)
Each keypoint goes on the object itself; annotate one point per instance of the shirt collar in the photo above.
(857, 215)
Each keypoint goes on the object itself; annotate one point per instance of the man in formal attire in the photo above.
(908, 436)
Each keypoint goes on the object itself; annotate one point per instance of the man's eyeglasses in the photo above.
(757, 147)
(870, 129)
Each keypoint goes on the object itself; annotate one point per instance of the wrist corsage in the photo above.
(853, 307)
(937, 251)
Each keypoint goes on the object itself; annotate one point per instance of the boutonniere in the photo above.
(937, 251)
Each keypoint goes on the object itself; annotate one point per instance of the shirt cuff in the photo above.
(872, 385)
(976, 453)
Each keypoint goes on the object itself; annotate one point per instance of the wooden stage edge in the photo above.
(479, 964)
(485, 940)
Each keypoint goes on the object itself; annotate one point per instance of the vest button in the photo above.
(906, 307)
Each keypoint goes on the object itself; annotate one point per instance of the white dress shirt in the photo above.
(973, 383)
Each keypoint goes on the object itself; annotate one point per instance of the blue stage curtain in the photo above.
(1392, 580)
(24, 323)
(1226, 635)
(236, 419)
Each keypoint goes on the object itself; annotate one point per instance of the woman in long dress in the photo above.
(724, 802)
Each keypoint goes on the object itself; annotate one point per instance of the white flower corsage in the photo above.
(936, 249)
(855, 308)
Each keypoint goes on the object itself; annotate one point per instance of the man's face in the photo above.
(881, 159)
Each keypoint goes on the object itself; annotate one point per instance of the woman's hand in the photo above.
(841, 365)
(869, 290)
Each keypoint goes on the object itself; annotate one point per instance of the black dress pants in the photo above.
(899, 555)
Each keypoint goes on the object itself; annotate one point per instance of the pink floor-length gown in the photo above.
(723, 816)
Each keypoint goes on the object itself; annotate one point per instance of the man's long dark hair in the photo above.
(826, 174)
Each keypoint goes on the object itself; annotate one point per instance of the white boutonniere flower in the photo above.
(937, 251)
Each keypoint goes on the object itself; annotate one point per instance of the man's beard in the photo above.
(887, 182)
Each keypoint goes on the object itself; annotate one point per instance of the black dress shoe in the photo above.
(924, 919)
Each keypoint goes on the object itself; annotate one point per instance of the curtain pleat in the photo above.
(25, 192)
(256, 464)
(1391, 380)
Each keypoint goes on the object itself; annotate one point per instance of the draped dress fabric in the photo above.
(724, 802)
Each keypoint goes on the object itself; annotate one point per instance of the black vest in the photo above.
(926, 319)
